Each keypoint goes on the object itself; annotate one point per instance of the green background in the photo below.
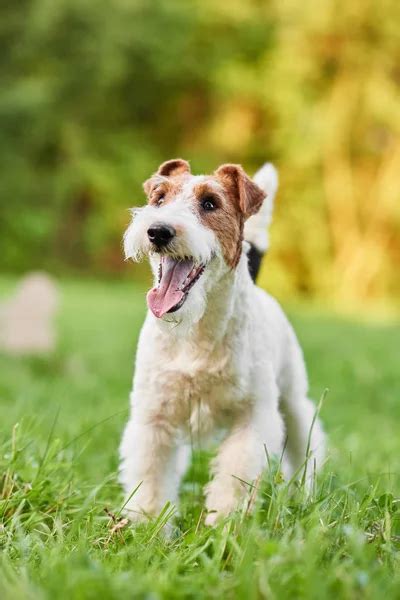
(95, 95)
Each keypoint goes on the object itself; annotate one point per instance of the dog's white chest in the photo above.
(202, 390)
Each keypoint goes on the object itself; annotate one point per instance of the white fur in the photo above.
(256, 228)
(228, 359)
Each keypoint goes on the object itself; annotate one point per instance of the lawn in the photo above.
(61, 421)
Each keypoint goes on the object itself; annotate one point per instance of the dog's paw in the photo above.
(215, 516)
(136, 514)
(212, 519)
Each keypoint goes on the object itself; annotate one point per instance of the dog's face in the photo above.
(192, 231)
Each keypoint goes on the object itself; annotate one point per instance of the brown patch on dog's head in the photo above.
(160, 186)
(240, 198)
(226, 220)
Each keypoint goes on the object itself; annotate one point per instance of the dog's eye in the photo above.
(160, 199)
(208, 203)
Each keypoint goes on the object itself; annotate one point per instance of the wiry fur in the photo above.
(227, 359)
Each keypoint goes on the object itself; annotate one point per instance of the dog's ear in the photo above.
(248, 195)
(170, 168)
(176, 166)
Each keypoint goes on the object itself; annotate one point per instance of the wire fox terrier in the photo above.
(215, 351)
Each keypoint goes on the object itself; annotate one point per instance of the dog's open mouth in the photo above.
(175, 280)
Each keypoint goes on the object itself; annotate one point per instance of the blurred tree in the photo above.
(94, 96)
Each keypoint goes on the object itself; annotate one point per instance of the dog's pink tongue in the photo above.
(168, 293)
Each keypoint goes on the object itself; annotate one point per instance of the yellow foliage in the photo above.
(326, 102)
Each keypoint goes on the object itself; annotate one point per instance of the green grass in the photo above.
(61, 421)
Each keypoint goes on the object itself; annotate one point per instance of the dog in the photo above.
(216, 352)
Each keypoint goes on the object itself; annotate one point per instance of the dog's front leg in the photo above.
(241, 457)
(147, 460)
(239, 462)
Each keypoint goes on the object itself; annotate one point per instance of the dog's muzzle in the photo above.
(160, 234)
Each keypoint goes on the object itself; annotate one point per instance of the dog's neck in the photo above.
(227, 302)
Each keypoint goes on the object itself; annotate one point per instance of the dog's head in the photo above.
(192, 231)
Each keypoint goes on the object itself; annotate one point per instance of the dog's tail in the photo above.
(256, 227)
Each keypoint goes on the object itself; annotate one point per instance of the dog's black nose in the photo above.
(160, 234)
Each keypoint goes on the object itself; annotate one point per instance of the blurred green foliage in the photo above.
(95, 95)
